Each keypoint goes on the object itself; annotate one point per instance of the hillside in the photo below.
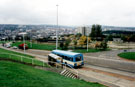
(18, 75)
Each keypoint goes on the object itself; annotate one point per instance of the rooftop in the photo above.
(66, 52)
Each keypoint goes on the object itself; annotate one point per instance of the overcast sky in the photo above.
(71, 12)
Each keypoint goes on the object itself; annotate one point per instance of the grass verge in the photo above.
(19, 75)
(36, 46)
(89, 50)
(127, 55)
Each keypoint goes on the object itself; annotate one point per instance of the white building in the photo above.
(84, 30)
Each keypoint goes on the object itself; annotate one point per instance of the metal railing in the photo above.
(21, 58)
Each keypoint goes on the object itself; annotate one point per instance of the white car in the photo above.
(15, 47)
(8, 46)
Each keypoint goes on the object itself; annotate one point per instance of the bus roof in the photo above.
(66, 52)
(54, 56)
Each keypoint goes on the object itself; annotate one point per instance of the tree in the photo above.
(104, 45)
(82, 40)
(123, 37)
(66, 44)
(75, 43)
(132, 38)
(93, 31)
(98, 45)
(62, 45)
(96, 32)
(78, 35)
(110, 38)
(89, 39)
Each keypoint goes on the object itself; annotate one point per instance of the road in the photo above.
(108, 54)
(107, 76)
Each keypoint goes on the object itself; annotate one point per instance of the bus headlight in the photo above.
(82, 63)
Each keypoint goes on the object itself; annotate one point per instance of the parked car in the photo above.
(21, 46)
(124, 50)
(15, 47)
(7, 45)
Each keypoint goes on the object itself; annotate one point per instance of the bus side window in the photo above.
(68, 58)
(59, 55)
(71, 59)
(62, 56)
(65, 57)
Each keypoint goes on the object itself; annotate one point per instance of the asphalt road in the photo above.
(108, 54)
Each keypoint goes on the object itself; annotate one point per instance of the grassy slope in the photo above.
(128, 55)
(37, 46)
(5, 54)
(19, 75)
(11, 52)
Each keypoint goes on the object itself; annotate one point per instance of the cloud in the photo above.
(71, 12)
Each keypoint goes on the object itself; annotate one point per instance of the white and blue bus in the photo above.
(69, 58)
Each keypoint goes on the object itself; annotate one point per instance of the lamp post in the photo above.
(57, 29)
(86, 30)
(30, 39)
(13, 37)
(87, 44)
(23, 43)
(23, 40)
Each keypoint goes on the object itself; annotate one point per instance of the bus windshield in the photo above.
(78, 58)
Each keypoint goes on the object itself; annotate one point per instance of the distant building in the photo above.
(54, 37)
(84, 30)
(117, 40)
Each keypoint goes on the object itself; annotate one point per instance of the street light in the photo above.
(13, 37)
(30, 39)
(87, 34)
(87, 43)
(23, 33)
(57, 29)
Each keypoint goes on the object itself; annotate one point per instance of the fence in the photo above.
(23, 59)
(34, 61)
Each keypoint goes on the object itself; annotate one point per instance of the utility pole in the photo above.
(87, 44)
(57, 29)
(23, 43)
(30, 39)
(23, 33)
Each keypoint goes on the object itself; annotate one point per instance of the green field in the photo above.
(36, 46)
(127, 55)
(52, 47)
(6, 54)
(19, 75)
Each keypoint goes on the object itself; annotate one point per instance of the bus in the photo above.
(71, 59)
